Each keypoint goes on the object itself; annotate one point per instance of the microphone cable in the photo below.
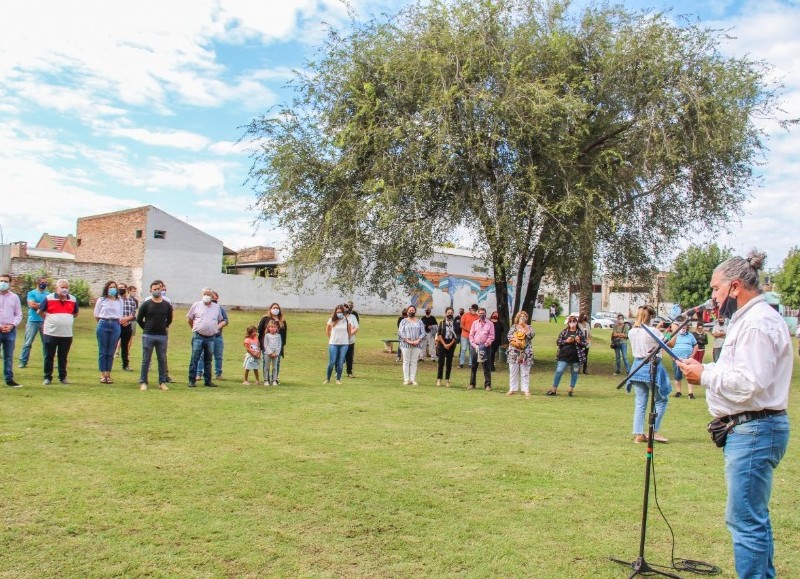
(688, 565)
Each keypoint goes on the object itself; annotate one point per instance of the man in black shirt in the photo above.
(154, 317)
(429, 344)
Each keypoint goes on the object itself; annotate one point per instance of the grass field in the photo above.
(367, 479)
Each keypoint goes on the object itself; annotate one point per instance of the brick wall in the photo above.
(111, 238)
(95, 274)
(255, 254)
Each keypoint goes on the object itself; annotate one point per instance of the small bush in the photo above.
(80, 289)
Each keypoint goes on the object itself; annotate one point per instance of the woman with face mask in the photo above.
(571, 344)
(338, 330)
(411, 333)
(107, 312)
(520, 355)
(274, 313)
(447, 336)
(684, 344)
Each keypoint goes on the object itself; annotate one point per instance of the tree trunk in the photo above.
(538, 267)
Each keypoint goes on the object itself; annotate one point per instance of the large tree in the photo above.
(559, 139)
(787, 280)
(687, 283)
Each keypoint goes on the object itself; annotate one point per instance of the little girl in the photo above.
(251, 359)
(272, 349)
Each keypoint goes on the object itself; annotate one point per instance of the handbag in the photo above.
(518, 340)
(719, 429)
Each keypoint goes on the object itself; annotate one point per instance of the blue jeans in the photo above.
(642, 391)
(561, 365)
(150, 341)
(219, 348)
(201, 346)
(336, 354)
(31, 329)
(264, 363)
(107, 338)
(7, 342)
(466, 350)
(621, 352)
(752, 452)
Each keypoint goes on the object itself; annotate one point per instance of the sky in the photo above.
(106, 106)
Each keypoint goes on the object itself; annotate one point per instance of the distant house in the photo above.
(56, 243)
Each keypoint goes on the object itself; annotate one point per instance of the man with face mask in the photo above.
(10, 317)
(747, 389)
(481, 338)
(205, 319)
(35, 321)
(59, 310)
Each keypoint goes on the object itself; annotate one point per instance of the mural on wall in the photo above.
(468, 289)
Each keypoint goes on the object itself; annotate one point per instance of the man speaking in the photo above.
(748, 388)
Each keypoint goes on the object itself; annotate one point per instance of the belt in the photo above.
(109, 320)
(743, 417)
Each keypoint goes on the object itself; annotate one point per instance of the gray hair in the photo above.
(744, 269)
(62, 281)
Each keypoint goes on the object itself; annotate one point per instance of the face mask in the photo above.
(523, 320)
(412, 314)
(449, 316)
(275, 312)
(482, 317)
(215, 301)
(682, 332)
(43, 286)
(339, 315)
(206, 299)
(122, 291)
(112, 291)
(156, 293)
(3, 286)
(163, 292)
(64, 291)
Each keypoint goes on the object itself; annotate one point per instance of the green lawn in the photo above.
(368, 479)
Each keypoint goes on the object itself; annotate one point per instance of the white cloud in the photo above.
(168, 138)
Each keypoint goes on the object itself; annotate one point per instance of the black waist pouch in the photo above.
(719, 429)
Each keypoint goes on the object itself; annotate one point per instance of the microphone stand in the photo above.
(640, 566)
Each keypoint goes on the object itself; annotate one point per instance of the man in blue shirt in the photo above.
(35, 321)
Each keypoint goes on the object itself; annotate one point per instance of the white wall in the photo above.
(187, 259)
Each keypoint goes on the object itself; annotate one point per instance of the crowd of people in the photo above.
(747, 383)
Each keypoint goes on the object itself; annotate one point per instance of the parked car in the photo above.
(596, 322)
(609, 315)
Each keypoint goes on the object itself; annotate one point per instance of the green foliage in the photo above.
(80, 289)
(550, 300)
(28, 281)
(556, 136)
(688, 282)
(787, 280)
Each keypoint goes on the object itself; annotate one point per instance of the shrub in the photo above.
(80, 289)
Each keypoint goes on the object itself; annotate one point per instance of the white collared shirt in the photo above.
(754, 369)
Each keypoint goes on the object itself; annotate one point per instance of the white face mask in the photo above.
(206, 299)
(275, 311)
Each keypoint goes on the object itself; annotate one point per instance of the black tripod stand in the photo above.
(640, 565)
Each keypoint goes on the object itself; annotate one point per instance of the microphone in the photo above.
(709, 305)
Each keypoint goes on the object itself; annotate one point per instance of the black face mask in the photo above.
(449, 316)
(728, 308)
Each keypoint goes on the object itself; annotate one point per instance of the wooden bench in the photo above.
(388, 344)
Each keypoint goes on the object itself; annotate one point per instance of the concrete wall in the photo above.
(95, 274)
(187, 259)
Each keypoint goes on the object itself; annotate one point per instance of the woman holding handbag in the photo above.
(520, 355)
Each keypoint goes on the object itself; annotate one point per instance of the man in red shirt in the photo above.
(466, 323)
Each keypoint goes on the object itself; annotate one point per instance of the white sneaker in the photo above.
(438, 382)
(406, 382)
(142, 386)
(339, 382)
(414, 383)
(325, 382)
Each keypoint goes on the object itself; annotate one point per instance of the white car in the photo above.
(597, 322)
